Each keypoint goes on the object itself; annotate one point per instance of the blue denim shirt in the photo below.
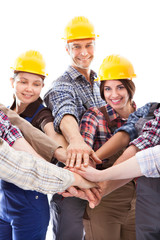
(129, 126)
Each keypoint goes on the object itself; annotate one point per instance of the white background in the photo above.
(127, 27)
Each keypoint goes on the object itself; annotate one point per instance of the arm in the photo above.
(78, 150)
(30, 172)
(123, 134)
(45, 146)
(50, 132)
(113, 145)
(150, 133)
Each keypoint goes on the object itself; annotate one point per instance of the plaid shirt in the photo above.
(94, 127)
(149, 161)
(150, 136)
(31, 173)
(129, 126)
(68, 93)
(7, 131)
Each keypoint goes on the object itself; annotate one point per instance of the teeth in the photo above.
(115, 100)
(27, 95)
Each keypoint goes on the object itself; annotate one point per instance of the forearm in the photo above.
(109, 186)
(32, 173)
(42, 144)
(113, 145)
(50, 132)
(70, 129)
(128, 153)
(22, 145)
(125, 170)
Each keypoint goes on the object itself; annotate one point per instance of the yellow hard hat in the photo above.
(30, 61)
(115, 67)
(79, 28)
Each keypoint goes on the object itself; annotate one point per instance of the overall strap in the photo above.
(111, 124)
(29, 119)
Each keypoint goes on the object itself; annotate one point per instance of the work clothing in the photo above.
(26, 212)
(132, 119)
(148, 192)
(114, 217)
(149, 161)
(64, 96)
(70, 94)
(20, 167)
(45, 146)
(8, 132)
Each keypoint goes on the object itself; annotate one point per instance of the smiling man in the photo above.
(69, 97)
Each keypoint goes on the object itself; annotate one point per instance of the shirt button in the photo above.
(36, 197)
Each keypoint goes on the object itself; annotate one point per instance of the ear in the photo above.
(67, 49)
(12, 82)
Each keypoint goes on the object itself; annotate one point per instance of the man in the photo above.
(70, 96)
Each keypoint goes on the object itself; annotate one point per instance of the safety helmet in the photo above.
(31, 62)
(79, 28)
(115, 67)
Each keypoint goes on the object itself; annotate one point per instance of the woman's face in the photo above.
(116, 94)
(27, 87)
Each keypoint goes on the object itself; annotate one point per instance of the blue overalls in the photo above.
(24, 215)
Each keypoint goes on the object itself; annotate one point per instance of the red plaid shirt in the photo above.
(94, 127)
(7, 131)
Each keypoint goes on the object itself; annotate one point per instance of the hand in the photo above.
(82, 182)
(78, 153)
(93, 196)
(89, 173)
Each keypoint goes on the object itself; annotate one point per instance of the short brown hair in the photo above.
(128, 84)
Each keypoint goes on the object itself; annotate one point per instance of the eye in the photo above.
(89, 45)
(121, 87)
(107, 88)
(37, 84)
(23, 82)
(76, 47)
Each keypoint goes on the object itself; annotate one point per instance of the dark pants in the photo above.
(148, 209)
(67, 217)
(24, 215)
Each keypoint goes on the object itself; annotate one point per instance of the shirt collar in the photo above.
(113, 114)
(75, 74)
(30, 109)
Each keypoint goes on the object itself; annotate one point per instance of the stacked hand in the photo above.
(78, 154)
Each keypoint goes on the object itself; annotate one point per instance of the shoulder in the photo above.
(93, 112)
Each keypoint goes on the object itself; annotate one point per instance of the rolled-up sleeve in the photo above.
(8, 132)
(31, 173)
(150, 133)
(129, 127)
(61, 101)
(149, 161)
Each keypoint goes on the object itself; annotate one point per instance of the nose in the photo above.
(84, 52)
(114, 93)
(28, 88)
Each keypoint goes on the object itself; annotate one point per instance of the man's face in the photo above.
(81, 52)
